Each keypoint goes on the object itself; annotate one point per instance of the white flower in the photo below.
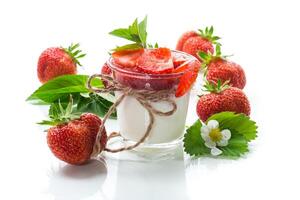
(214, 137)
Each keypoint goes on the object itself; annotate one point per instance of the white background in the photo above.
(264, 37)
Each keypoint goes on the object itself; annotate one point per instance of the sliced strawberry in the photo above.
(188, 78)
(183, 67)
(161, 53)
(156, 61)
(178, 60)
(127, 58)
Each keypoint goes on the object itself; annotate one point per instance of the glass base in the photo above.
(145, 152)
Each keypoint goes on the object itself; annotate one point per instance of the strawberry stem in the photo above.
(60, 115)
(74, 52)
(213, 87)
(208, 33)
(207, 58)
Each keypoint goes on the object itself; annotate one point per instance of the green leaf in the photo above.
(95, 104)
(236, 147)
(133, 28)
(142, 31)
(62, 87)
(193, 142)
(122, 33)
(214, 38)
(242, 131)
(72, 47)
(133, 46)
(48, 122)
(211, 30)
(218, 50)
(204, 56)
(239, 123)
(134, 31)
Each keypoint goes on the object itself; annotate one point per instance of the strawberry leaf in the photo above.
(242, 131)
(63, 86)
(240, 123)
(94, 104)
(193, 142)
(133, 46)
(56, 93)
(237, 146)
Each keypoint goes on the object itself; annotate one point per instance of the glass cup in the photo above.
(133, 118)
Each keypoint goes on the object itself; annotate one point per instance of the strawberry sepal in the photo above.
(74, 53)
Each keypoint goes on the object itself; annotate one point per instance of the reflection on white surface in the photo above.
(163, 179)
(77, 182)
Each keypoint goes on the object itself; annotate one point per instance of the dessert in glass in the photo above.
(154, 69)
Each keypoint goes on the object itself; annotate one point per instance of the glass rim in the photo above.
(120, 69)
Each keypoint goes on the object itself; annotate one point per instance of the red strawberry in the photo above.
(195, 44)
(184, 38)
(57, 61)
(72, 138)
(73, 142)
(156, 61)
(178, 60)
(188, 78)
(222, 98)
(106, 69)
(192, 42)
(127, 58)
(225, 70)
(219, 68)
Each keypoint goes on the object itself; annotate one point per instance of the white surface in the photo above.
(263, 35)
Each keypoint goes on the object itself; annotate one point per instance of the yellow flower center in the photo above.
(215, 135)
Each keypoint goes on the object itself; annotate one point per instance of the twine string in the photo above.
(144, 97)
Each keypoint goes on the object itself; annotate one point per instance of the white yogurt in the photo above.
(133, 120)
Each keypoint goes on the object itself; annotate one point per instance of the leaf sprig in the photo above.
(136, 33)
(75, 53)
(57, 91)
(243, 130)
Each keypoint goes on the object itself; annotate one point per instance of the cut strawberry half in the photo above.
(188, 78)
(156, 61)
(183, 67)
(178, 60)
(127, 58)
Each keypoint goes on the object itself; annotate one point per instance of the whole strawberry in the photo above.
(219, 68)
(191, 42)
(73, 137)
(222, 98)
(57, 61)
